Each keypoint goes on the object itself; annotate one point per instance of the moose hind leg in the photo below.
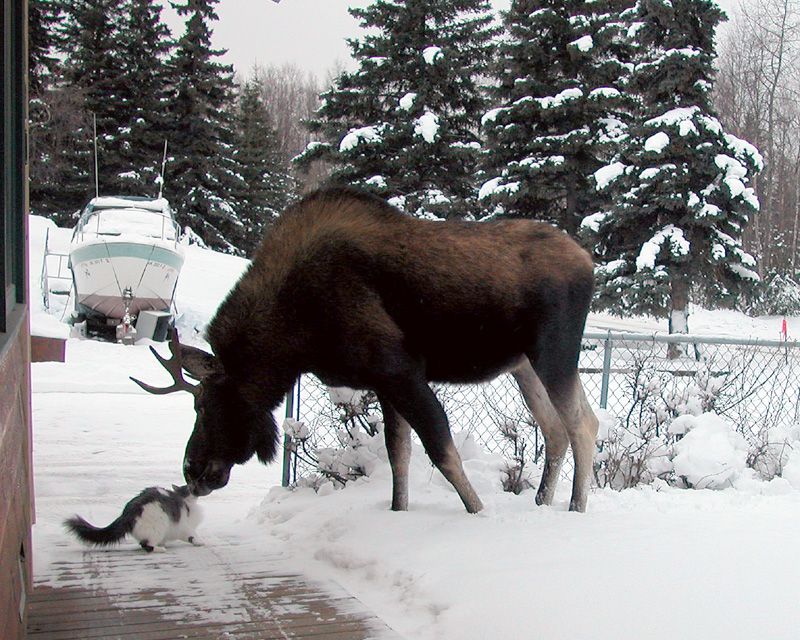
(556, 439)
(581, 425)
(415, 401)
(397, 433)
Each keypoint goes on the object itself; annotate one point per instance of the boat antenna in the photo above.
(163, 168)
(96, 177)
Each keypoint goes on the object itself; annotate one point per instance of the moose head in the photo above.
(228, 429)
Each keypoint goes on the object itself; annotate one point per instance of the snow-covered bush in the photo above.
(516, 477)
(711, 455)
(629, 454)
(769, 453)
(359, 434)
(659, 435)
(636, 448)
(791, 470)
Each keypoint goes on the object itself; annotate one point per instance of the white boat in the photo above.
(125, 258)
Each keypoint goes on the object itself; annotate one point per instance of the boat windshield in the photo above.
(129, 221)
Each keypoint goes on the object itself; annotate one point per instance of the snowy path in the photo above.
(224, 590)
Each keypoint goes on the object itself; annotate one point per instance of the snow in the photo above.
(583, 44)
(128, 221)
(354, 137)
(593, 221)
(654, 562)
(376, 181)
(657, 142)
(497, 186)
(606, 175)
(156, 204)
(427, 126)
(407, 101)
(743, 148)
(431, 55)
(561, 98)
(604, 92)
(648, 253)
(712, 455)
(491, 115)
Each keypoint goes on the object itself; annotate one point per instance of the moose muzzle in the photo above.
(203, 479)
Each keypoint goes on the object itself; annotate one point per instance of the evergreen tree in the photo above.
(45, 108)
(144, 45)
(563, 107)
(680, 186)
(43, 16)
(265, 185)
(89, 83)
(200, 175)
(405, 124)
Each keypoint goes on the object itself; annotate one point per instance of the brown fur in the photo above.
(348, 288)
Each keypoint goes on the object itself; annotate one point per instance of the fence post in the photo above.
(287, 441)
(607, 347)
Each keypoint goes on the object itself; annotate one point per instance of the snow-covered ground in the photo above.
(654, 562)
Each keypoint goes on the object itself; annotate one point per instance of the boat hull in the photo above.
(104, 271)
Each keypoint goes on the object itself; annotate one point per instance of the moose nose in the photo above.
(202, 479)
(191, 470)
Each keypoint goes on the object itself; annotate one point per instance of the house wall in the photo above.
(16, 493)
(15, 486)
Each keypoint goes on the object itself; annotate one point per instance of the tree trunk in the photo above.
(678, 312)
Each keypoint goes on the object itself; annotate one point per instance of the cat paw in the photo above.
(159, 549)
(195, 541)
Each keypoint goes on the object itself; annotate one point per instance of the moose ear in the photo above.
(198, 363)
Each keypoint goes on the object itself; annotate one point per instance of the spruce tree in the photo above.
(200, 174)
(44, 110)
(43, 16)
(681, 186)
(562, 106)
(91, 75)
(405, 124)
(265, 186)
(144, 44)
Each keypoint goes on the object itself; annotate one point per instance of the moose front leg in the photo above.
(398, 445)
(414, 401)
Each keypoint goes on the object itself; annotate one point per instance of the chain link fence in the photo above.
(641, 382)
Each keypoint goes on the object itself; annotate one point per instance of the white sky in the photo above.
(308, 33)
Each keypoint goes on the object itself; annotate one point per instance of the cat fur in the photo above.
(153, 517)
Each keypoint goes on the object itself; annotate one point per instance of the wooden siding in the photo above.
(15, 480)
(124, 594)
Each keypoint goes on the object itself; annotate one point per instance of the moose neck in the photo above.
(258, 363)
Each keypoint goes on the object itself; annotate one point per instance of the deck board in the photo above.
(125, 594)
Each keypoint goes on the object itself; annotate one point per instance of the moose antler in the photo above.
(174, 366)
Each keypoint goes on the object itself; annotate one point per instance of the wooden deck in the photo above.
(242, 593)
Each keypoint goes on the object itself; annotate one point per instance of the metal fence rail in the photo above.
(642, 381)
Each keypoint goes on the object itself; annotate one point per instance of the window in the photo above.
(13, 176)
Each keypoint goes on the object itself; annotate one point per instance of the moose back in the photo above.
(348, 288)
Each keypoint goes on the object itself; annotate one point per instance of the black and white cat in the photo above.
(154, 517)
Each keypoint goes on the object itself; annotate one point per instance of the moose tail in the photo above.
(101, 537)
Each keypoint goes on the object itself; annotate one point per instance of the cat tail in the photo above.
(98, 536)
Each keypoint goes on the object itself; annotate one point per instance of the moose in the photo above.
(349, 288)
